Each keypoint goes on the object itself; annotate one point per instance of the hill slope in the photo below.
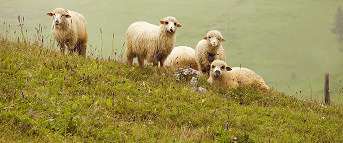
(48, 97)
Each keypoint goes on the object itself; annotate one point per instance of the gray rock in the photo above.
(186, 74)
(194, 82)
(191, 76)
(201, 90)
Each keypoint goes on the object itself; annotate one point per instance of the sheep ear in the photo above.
(228, 69)
(179, 25)
(223, 40)
(68, 16)
(162, 21)
(49, 14)
(205, 38)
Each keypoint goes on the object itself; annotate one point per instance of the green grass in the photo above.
(289, 42)
(48, 97)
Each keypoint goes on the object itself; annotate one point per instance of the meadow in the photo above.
(289, 43)
(49, 97)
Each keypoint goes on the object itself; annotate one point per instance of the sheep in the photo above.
(209, 49)
(222, 75)
(182, 56)
(69, 28)
(151, 42)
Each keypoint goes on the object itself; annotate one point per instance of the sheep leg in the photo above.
(71, 47)
(129, 58)
(162, 60)
(62, 47)
(161, 63)
(141, 61)
(129, 55)
(77, 48)
(155, 64)
(82, 50)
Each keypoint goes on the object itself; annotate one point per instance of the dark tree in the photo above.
(338, 23)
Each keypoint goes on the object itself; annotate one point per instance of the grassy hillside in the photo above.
(48, 97)
(288, 42)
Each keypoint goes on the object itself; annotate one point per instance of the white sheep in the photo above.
(182, 56)
(209, 49)
(69, 28)
(151, 42)
(222, 75)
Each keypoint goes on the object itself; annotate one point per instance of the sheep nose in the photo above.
(171, 30)
(217, 72)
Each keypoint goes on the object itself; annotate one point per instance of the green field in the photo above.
(49, 97)
(289, 42)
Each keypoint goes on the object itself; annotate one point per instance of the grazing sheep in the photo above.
(151, 42)
(182, 56)
(209, 49)
(222, 75)
(69, 28)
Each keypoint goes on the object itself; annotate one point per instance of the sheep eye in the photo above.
(222, 67)
(212, 66)
(209, 37)
(167, 22)
(62, 15)
(174, 24)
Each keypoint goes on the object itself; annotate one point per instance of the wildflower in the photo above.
(43, 82)
(24, 127)
(22, 94)
(19, 18)
(42, 41)
(19, 68)
(153, 117)
(227, 126)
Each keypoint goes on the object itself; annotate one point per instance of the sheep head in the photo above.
(218, 67)
(214, 38)
(170, 23)
(59, 15)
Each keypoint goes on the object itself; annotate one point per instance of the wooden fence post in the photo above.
(326, 89)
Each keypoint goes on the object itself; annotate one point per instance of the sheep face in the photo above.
(59, 16)
(170, 23)
(214, 38)
(218, 67)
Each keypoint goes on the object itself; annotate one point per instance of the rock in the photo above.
(192, 76)
(194, 82)
(201, 90)
(187, 74)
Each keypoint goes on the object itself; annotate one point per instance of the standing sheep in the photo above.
(151, 42)
(182, 56)
(222, 75)
(69, 28)
(209, 49)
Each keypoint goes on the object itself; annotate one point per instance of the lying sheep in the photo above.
(151, 42)
(182, 56)
(69, 28)
(222, 75)
(209, 49)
